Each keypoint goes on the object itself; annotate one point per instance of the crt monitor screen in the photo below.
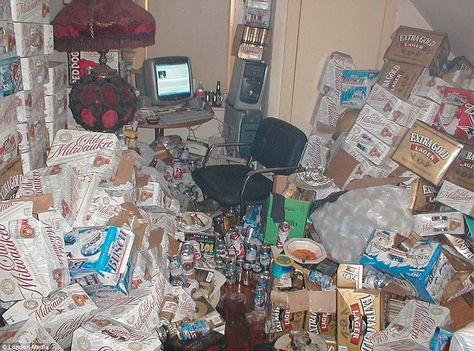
(168, 79)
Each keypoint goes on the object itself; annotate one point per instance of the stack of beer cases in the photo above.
(56, 100)
(9, 84)
(34, 40)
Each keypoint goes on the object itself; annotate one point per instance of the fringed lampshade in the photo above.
(102, 100)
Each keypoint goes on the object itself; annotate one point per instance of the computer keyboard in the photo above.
(184, 116)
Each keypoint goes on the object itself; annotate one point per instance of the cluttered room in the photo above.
(240, 175)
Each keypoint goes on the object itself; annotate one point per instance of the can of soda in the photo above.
(187, 257)
(168, 308)
(265, 256)
(283, 232)
(260, 299)
(178, 169)
(230, 272)
(194, 330)
(196, 250)
(251, 253)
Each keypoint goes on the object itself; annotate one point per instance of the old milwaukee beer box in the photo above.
(461, 171)
(28, 335)
(60, 313)
(427, 152)
(57, 77)
(360, 314)
(413, 328)
(419, 47)
(456, 197)
(399, 78)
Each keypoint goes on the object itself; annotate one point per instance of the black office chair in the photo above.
(277, 147)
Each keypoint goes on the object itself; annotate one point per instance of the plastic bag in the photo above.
(345, 225)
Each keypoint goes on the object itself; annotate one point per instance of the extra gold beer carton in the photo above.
(360, 314)
(419, 47)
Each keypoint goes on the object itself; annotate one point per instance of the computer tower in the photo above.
(247, 84)
(240, 126)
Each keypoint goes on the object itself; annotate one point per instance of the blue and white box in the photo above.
(424, 265)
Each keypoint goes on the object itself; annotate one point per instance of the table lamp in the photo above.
(102, 100)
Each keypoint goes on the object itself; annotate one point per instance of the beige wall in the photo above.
(314, 29)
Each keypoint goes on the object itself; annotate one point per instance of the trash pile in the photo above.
(367, 247)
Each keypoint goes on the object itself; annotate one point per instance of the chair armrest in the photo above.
(262, 170)
(218, 145)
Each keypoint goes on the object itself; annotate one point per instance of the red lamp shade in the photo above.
(102, 100)
(93, 25)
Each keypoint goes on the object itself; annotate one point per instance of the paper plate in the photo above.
(284, 343)
(305, 251)
(193, 227)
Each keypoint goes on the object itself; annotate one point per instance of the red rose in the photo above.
(88, 117)
(109, 95)
(109, 119)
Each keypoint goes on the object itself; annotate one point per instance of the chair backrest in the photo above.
(278, 144)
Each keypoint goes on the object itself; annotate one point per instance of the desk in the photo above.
(159, 128)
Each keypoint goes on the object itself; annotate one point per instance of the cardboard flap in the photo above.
(305, 300)
(125, 170)
(41, 203)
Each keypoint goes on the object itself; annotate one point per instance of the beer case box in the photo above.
(10, 179)
(7, 40)
(5, 10)
(52, 128)
(360, 314)
(374, 122)
(30, 11)
(57, 77)
(424, 266)
(421, 47)
(456, 197)
(413, 328)
(29, 103)
(8, 147)
(55, 312)
(29, 39)
(11, 77)
(460, 63)
(55, 105)
(28, 335)
(399, 78)
(392, 107)
(455, 113)
(33, 71)
(293, 211)
(427, 152)
(7, 113)
(461, 171)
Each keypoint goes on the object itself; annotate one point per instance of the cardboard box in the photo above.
(360, 314)
(419, 47)
(30, 11)
(29, 39)
(295, 212)
(7, 39)
(241, 46)
(424, 265)
(461, 171)
(55, 105)
(33, 71)
(10, 180)
(29, 103)
(399, 78)
(57, 77)
(413, 328)
(11, 77)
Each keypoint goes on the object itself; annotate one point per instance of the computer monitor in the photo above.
(168, 80)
